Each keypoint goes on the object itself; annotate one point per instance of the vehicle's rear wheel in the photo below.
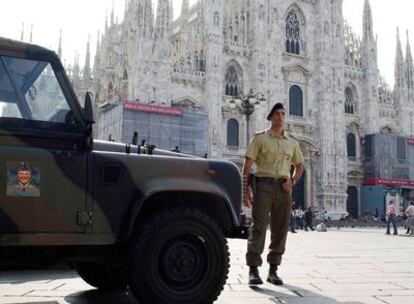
(103, 275)
(180, 257)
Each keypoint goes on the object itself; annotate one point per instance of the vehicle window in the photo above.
(8, 105)
(9, 110)
(29, 89)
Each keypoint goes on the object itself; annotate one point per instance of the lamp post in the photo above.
(247, 104)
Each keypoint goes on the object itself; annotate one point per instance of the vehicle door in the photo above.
(43, 164)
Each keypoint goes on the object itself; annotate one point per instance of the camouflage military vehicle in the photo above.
(121, 214)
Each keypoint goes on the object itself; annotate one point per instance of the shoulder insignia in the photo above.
(260, 132)
(293, 137)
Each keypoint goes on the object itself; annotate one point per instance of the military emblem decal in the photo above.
(23, 179)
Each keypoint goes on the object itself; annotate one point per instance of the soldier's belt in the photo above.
(270, 180)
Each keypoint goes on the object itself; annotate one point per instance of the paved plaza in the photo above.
(337, 267)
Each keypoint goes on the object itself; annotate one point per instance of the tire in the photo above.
(181, 257)
(103, 275)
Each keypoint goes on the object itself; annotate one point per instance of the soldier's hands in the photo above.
(287, 185)
(248, 197)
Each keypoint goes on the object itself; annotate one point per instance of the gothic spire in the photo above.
(163, 19)
(96, 58)
(98, 44)
(185, 11)
(87, 68)
(368, 28)
(31, 34)
(22, 33)
(76, 66)
(399, 63)
(146, 17)
(60, 45)
(185, 7)
(113, 13)
(409, 65)
(106, 21)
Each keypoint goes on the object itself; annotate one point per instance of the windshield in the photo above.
(30, 90)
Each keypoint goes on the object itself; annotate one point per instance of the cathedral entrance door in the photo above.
(352, 201)
(298, 195)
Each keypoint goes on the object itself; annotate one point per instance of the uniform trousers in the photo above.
(272, 203)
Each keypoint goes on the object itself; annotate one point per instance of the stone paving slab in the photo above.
(360, 266)
(397, 300)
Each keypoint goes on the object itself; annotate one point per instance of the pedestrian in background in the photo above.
(410, 219)
(298, 214)
(391, 218)
(292, 221)
(308, 218)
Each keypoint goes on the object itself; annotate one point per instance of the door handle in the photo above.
(60, 153)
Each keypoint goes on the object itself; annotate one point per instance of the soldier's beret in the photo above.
(278, 106)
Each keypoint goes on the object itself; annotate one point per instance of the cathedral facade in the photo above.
(299, 52)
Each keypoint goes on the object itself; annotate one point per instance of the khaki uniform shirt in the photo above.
(274, 156)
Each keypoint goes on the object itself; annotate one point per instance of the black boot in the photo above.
(273, 277)
(254, 277)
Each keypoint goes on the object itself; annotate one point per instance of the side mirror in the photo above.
(88, 110)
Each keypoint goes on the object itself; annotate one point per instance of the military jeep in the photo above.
(123, 215)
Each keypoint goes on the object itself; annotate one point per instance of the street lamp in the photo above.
(247, 104)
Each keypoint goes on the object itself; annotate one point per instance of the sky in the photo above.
(80, 18)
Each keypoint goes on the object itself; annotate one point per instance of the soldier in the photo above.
(274, 152)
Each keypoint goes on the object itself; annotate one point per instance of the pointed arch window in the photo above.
(236, 30)
(401, 148)
(232, 133)
(216, 18)
(232, 81)
(296, 101)
(293, 33)
(196, 62)
(262, 12)
(351, 145)
(202, 66)
(350, 101)
(243, 29)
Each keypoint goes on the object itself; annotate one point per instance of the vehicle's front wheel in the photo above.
(181, 256)
(103, 275)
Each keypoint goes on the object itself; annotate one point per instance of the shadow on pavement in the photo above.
(102, 297)
(303, 295)
(21, 276)
(43, 302)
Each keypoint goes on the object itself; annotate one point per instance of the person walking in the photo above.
(273, 151)
(410, 219)
(292, 221)
(308, 217)
(391, 218)
(299, 218)
(296, 218)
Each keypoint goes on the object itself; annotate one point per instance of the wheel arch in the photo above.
(215, 205)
